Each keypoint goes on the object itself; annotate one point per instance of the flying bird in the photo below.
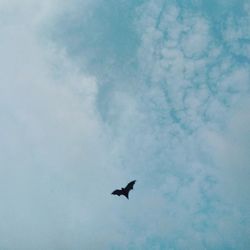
(125, 191)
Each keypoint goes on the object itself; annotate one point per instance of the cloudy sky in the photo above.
(96, 93)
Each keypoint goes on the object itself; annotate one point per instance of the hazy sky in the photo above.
(96, 93)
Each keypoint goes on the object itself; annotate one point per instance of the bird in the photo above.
(124, 191)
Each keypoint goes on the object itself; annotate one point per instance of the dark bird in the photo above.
(124, 191)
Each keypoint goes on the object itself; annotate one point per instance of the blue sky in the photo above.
(96, 93)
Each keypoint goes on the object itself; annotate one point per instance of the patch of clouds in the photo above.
(172, 124)
(182, 66)
(56, 158)
(231, 154)
(191, 86)
(194, 41)
(236, 33)
(164, 123)
(229, 151)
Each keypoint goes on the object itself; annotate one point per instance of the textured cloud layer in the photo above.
(95, 93)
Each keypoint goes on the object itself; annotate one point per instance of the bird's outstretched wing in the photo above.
(130, 186)
(117, 192)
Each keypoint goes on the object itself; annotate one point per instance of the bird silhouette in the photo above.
(124, 191)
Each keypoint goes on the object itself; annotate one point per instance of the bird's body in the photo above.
(125, 191)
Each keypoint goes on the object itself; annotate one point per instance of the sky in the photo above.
(94, 94)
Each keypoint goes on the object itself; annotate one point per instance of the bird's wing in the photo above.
(117, 192)
(130, 185)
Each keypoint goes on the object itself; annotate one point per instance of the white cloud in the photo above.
(232, 157)
(61, 159)
(56, 158)
(199, 84)
(236, 33)
(195, 39)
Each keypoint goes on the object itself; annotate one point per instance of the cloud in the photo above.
(51, 181)
(232, 156)
(83, 110)
(191, 85)
(229, 152)
(236, 33)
